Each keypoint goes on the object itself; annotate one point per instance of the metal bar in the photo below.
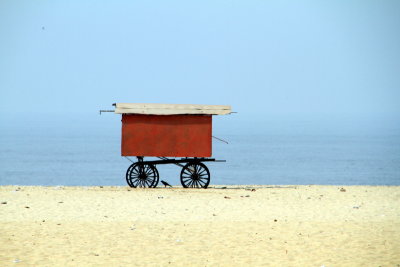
(129, 159)
(226, 142)
(177, 164)
(102, 110)
(184, 160)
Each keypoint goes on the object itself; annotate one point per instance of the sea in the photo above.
(84, 150)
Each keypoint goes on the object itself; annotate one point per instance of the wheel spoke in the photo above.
(132, 174)
(148, 182)
(148, 169)
(152, 178)
(187, 172)
(141, 169)
(135, 183)
(133, 177)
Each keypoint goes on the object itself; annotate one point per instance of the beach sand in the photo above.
(233, 226)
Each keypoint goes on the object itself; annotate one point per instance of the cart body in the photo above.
(166, 135)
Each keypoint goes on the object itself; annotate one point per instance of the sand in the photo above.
(233, 226)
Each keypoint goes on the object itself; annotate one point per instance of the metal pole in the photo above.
(220, 139)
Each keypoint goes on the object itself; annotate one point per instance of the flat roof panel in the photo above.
(171, 109)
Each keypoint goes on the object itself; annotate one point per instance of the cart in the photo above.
(175, 134)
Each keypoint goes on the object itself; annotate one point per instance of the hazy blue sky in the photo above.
(271, 58)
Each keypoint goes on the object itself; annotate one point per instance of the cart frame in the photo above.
(194, 173)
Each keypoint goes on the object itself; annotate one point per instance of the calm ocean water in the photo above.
(79, 153)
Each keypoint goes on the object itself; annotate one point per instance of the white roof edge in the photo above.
(171, 109)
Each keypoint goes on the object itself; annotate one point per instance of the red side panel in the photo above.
(166, 135)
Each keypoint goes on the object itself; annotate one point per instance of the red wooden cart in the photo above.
(168, 130)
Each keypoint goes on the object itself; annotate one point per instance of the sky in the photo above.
(268, 59)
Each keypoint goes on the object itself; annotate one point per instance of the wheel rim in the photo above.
(142, 175)
(195, 175)
(155, 182)
(128, 171)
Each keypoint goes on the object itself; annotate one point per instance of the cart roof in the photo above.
(170, 109)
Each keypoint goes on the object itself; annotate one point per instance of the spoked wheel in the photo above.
(195, 175)
(142, 175)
